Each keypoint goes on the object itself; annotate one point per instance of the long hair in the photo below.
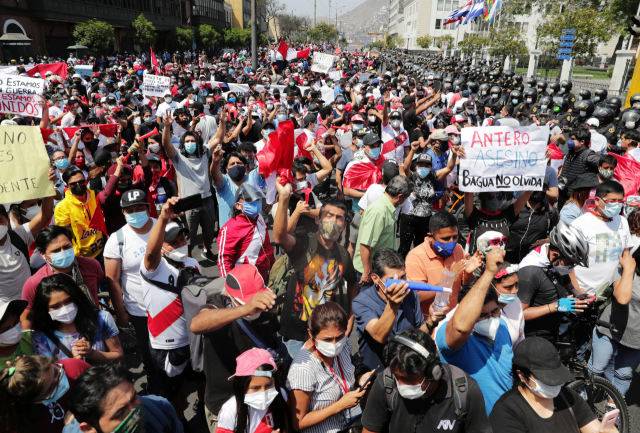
(279, 408)
(19, 389)
(579, 196)
(87, 318)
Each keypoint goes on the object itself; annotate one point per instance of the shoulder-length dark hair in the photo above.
(199, 146)
(279, 408)
(86, 319)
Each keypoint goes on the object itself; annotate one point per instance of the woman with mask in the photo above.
(259, 402)
(34, 392)
(581, 188)
(14, 342)
(147, 125)
(232, 106)
(67, 325)
(155, 147)
(321, 381)
(539, 402)
(245, 236)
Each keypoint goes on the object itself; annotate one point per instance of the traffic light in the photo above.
(634, 26)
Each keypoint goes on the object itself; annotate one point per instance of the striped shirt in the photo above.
(309, 374)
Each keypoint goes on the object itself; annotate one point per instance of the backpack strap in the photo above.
(64, 349)
(120, 237)
(390, 389)
(458, 379)
(305, 259)
(17, 242)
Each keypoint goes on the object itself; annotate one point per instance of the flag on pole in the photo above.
(464, 10)
(475, 12)
(494, 7)
(189, 21)
(451, 18)
(290, 54)
(154, 62)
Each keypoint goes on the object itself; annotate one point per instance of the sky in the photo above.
(305, 7)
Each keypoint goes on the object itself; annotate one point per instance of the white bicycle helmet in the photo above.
(571, 243)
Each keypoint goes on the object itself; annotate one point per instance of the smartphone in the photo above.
(281, 298)
(188, 203)
(609, 419)
(373, 376)
(437, 85)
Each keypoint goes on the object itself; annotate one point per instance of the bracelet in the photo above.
(430, 327)
(549, 307)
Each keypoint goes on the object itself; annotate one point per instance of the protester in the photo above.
(14, 342)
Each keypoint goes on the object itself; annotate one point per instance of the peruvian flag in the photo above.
(394, 143)
(557, 157)
(302, 137)
(277, 155)
(290, 54)
(338, 50)
(154, 62)
(626, 173)
(59, 69)
(106, 130)
(361, 172)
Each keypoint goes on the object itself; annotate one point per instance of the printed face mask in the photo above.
(606, 174)
(444, 249)
(329, 230)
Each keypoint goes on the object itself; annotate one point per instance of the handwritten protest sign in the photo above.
(335, 75)
(155, 85)
(503, 158)
(20, 95)
(322, 62)
(84, 70)
(24, 164)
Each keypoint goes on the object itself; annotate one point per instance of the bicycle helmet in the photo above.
(571, 243)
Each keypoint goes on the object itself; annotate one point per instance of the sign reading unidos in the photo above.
(21, 95)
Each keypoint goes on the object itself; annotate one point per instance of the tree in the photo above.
(437, 41)
(96, 35)
(209, 35)
(377, 45)
(144, 33)
(473, 43)
(424, 41)
(395, 42)
(269, 10)
(591, 30)
(180, 38)
(323, 32)
(507, 41)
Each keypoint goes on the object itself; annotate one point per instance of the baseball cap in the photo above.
(360, 133)
(16, 306)
(370, 139)
(357, 118)
(167, 93)
(133, 197)
(247, 363)
(102, 157)
(76, 76)
(243, 282)
(440, 135)
(154, 157)
(395, 114)
(543, 360)
(390, 169)
(594, 122)
(458, 118)
(465, 93)
(424, 157)
(172, 230)
(451, 129)
(309, 118)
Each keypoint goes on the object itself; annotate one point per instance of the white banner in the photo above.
(335, 75)
(19, 95)
(155, 85)
(503, 158)
(244, 88)
(84, 70)
(322, 62)
(9, 70)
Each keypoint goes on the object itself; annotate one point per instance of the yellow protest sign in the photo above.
(24, 164)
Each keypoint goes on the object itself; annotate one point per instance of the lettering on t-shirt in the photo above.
(608, 247)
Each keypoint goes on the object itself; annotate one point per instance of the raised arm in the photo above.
(385, 109)
(222, 129)
(280, 232)
(324, 162)
(156, 237)
(443, 172)
(210, 320)
(166, 136)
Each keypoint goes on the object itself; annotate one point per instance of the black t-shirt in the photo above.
(416, 135)
(315, 285)
(536, 289)
(407, 119)
(482, 222)
(222, 347)
(432, 414)
(305, 223)
(144, 129)
(513, 414)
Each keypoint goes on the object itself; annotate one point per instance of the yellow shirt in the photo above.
(77, 215)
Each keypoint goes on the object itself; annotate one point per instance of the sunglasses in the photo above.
(82, 182)
(498, 196)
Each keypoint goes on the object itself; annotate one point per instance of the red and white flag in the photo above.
(626, 173)
(290, 54)
(556, 156)
(302, 137)
(394, 143)
(361, 172)
(154, 62)
(338, 50)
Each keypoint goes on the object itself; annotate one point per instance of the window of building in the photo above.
(447, 5)
(438, 21)
(454, 5)
(525, 27)
(440, 5)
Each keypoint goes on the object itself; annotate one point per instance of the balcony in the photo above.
(215, 19)
(164, 14)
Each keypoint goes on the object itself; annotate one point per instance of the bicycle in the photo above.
(574, 346)
(127, 336)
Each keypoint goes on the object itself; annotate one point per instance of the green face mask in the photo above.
(133, 423)
(556, 108)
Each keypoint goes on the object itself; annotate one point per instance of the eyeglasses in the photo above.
(59, 369)
(498, 196)
(81, 182)
(494, 313)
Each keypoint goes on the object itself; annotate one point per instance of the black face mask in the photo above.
(183, 123)
(537, 197)
(124, 186)
(236, 173)
(78, 190)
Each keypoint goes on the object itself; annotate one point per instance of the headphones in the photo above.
(433, 371)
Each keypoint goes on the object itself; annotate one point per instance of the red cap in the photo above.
(243, 282)
(357, 117)
(248, 362)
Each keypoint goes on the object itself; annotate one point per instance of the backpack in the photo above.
(282, 270)
(457, 377)
(17, 242)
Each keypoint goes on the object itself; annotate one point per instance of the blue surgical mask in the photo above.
(514, 101)
(66, 101)
(190, 147)
(148, 120)
(252, 208)
(62, 389)
(62, 163)
(423, 172)
(571, 144)
(232, 100)
(266, 132)
(612, 209)
(444, 250)
(360, 142)
(281, 117)
(619, 143)
(357, 127)
(137, 219)
(63, 259)
(505, 298)
(375, 153)
(543, 107)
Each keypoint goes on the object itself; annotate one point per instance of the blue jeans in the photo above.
(625, 360)
(293, 347)
(361, 288)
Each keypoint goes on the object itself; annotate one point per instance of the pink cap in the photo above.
(243, 282)
(458, 118)
(357, 118)
(451, 129)
(248, 362)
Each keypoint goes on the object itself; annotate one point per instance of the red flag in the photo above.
(298, 54)
(281, 143)
(106, 130)
(266, 161)
(46, 133)
(338, 50)
(97, 220)
(283, 48)
(59, 69)
(627, 172)
(361, 172)
(393, 144)
(301, 139)
(154, 62)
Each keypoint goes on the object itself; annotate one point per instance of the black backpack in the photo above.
(17, 242)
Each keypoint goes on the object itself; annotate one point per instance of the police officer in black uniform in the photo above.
(530, 96)
(542, 89)
(560, 107)
(600, 97)
(565, 91)
(532, 82)
(584, 95)
(495, 93)
(517, 83)
(554, 89)
(582, 111)
(607, 128)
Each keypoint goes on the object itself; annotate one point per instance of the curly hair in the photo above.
(634, 222)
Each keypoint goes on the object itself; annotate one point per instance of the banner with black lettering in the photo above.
(21, 95)
(503, 158)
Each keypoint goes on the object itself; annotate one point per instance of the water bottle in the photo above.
(441, 301)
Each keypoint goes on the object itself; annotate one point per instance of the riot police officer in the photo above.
(605, 116)
(555, 89)
(517, 83)
(495, 94)
(565, 91)
(530, 96)
(584, 95)
(582, 111)
(473, 90)
(560, 107)
(542, 89)
(600, 97)
(532, 82)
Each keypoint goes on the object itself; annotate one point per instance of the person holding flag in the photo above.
(394, 137)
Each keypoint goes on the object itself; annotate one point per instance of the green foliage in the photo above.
(395, 42)
(300, 39)
(323, 32)
(424, 41)
(591, 30)
(209, 35)
(179, 38)
(437, 41)
(473, 43)
(96, 35)
(144, 33)
(377, 44)
(507, 41)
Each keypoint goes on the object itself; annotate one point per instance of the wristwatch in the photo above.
(556, 305)
(430, 327)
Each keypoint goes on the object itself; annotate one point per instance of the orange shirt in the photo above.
(423, 265)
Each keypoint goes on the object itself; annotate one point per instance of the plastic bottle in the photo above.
(441, 301)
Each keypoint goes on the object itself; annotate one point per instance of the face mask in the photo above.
(3, 231)
(484, 92)
(544, 391)
(133, 423)
(261, 400)
(529, 100)
(124, 186)
(514, 101)
(374, 153)
(619, 143)
(178, 254)
(556, 109)
(63, 259)
(357, 127)
(281, 117)
(395, 123)
(168, 99)
(62, 389)
(330, 349)
(488, 327)
(137, 219)
(456, 140)
(65, 102)
(300, 186)
(66, 314)
(563, 270)
(630, 125)
(190, 146)
(423, 172)
(444, 249)
(62, 163)
(155, 148)
(606, 174)
(612, 209)
(492, 204)
(543, 107)
(252, 209)
(537, 197)
(236, 173)
(360, 142)
(329, 230)
(372, 119)
(148, 120)
(269, 107)
(32, 212)
(103, 90)
(291, 84)
(596, 99)
(12, 336)
(562, 90)
(505, 298)
(494, 96)
(340, 106)
(411, 392)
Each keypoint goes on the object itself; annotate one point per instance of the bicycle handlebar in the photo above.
(607, 325)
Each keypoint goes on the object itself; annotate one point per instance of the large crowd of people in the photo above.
(311, 191)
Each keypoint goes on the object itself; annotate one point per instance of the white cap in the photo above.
(76, 76)
(120, 84)
(594, 122)
(167, 92)
(48, 73)
(37, 75)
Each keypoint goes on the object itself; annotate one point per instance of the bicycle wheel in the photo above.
(606, 397)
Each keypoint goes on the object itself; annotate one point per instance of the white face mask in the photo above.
(261, 400)
(66, 314)
(630, 125)
(178, 254)
(155, 148)
(411, 392)
(3, 231)
(340, 106)
(12, 336)
(330, 349)
(583, 113)
(544, 391)
(563, 270)
(168, 99)
(529, 100)
(372, 118)
(488, 327)
(395, 123)
(32, 212)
